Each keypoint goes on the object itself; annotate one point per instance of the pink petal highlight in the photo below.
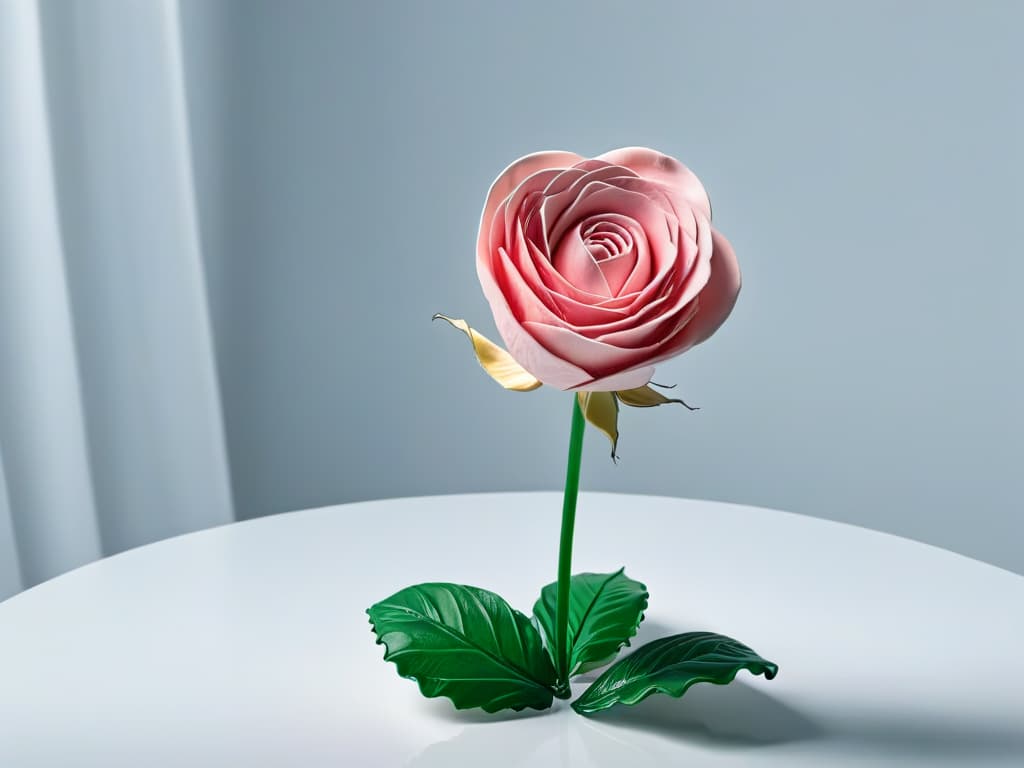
(657, 329)
(556, 283)
(513, 176)
(638, 377)
(681, 184)
(527, 351)
(613, 246)
(719, 295)
(525, 198)
(599, 358)
(574, 261)
(597, 269)
(715, 302)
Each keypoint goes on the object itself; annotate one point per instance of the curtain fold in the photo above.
(10, 575)
(111, 431)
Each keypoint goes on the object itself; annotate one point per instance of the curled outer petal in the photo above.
(498, 363)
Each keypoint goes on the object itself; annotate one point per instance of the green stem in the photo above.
(572, 486)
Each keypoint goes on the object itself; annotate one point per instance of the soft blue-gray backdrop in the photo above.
(865, 159)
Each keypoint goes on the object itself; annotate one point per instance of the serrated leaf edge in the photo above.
(379, 640)
(626, 641)
(767, 668)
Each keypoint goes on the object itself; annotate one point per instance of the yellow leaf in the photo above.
(498, 363)
(602, 410)
(645, 397)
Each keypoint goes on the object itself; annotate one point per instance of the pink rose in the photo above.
(595, 270)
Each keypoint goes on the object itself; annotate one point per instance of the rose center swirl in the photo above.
(606, 240)
(600, 253)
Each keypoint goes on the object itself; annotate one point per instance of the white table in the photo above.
(247, 645)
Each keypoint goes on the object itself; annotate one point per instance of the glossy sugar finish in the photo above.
(249, 645)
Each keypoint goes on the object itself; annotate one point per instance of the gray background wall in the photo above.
(864, 158)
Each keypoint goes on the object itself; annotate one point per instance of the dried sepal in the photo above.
(498, 363)
(602, 410)
(645, 397)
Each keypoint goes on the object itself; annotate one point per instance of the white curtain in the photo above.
(111, 430)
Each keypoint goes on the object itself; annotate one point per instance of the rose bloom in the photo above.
(595, 270)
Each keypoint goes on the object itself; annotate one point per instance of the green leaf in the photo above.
(671, 665)
(467, 644)
(604, 612)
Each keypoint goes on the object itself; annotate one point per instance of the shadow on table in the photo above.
(741, 715)
(738, 716)
(733, 715)
(896, 734)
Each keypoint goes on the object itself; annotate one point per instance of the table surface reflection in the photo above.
(248, 644)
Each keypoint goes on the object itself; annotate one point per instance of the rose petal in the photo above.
(586, 315)
(619, 311)
(595, 319)
(524, 303)
(716, 301)
(663, 302)
(604, 197)
(573, 261)
(659, 194)
(512, 177)
(623, 380)
(611, 243)
(682, 184)
(685, 276)
(659, 229)
(524, 264)
(602, 358)
(619, 302)
(718, 297)
(660, 304)
(569, 186)
(677, 308)
(656, 329)
(598, 358)
(526, 350)
(529, 194)
(640, 273)
(556, 283)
